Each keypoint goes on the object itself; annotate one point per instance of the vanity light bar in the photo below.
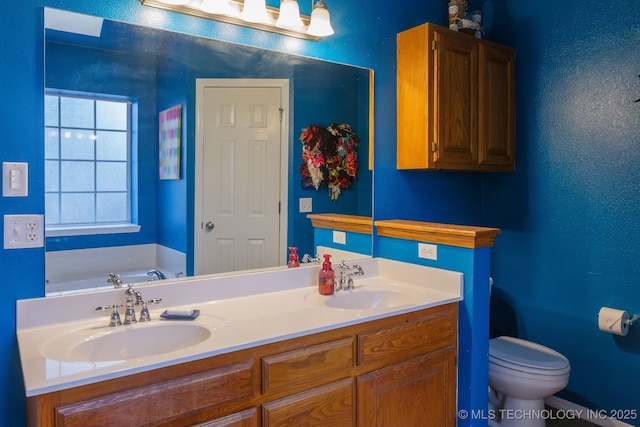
(273, 11)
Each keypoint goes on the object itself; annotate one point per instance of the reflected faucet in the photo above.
(308, 258)
(159, 274)
(115, 280)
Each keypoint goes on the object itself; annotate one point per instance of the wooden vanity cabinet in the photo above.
(395, 371)
(456, 101)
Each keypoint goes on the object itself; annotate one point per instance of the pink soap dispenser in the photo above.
(326, 277)
(293, 258)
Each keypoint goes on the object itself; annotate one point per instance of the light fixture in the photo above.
(320, 25)
(285, 20)
(289, 16)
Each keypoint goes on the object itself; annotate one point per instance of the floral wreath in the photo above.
(330, 157)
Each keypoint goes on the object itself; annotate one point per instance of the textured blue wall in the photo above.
(569, 214)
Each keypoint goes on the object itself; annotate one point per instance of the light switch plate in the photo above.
(15, 179)
(23, 231)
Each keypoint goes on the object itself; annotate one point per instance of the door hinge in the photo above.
(433, 45)
(279, 207)
(281, 113)
(434, 147)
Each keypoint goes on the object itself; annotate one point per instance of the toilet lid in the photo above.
(525, 353)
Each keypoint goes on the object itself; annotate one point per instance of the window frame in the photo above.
(95, 227)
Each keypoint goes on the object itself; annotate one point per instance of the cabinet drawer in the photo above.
(308, 367)
(248, 418)
(164, 401)
(407, 339)
(330, 405)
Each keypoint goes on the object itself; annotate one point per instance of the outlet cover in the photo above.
(339, 237)
(428, 251)
(23, 231)
(306, 204)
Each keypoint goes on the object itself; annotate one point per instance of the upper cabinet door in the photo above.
(497, 106)
(456, 93)
(456, 104)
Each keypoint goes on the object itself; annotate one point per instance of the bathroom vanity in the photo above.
(266, 350)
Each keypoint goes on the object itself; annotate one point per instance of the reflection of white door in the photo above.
(241, 141)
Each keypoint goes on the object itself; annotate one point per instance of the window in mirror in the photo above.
(87, 161)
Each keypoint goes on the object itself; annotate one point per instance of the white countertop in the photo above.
(240, 310)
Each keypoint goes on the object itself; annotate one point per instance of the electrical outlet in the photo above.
(23, 231)
(305, 204)
(339, 237)
(428, 251)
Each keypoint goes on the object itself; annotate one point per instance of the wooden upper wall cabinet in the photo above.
(456, 101)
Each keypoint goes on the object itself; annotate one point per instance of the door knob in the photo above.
(210, 226)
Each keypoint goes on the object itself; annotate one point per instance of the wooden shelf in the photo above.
(354, 223)
(464, 236)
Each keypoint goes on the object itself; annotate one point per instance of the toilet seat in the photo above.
(525, 356)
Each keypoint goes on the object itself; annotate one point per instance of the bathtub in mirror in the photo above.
(158, 69)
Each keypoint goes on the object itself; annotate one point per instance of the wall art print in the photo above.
(169, 126)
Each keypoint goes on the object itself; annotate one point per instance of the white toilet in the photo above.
(521, 375)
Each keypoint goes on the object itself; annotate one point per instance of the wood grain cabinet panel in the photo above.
(161, 402)
(456, 101)
(420, 392)
(248, 418)
(330, 405)
(307, 367)
(407, 339)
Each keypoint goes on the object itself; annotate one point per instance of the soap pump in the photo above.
(293, 258)
(326, 277)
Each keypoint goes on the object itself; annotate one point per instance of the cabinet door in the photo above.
(419, 392)
(456, 100)
(497, 107)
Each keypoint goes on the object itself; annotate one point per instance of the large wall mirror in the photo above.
(146, 72)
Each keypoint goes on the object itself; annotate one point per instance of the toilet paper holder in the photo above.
(633, 321)
(616, 321)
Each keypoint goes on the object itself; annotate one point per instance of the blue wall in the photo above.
(568, 213)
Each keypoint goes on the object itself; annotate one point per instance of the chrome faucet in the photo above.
(308, 258)
(159, 274)
(115, 280)
(133, 297)
(345, 281)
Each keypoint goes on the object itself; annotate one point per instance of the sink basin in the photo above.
(367, 299)
(106, 344)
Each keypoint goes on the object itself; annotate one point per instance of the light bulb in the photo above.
(320, 25)
(289, 16)
(175, 2)
(255, 11)
(216, 7)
